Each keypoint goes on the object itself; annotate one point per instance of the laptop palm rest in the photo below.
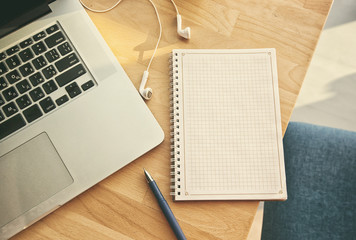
(29, 175)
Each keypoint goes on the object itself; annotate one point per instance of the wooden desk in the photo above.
(122, 206)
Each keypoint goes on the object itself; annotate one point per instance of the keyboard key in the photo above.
(70, 75)
(2, 117)
(62, 100)
(2, 56)
(64, 48)
(3, 68)
(37, 94)
(47, 104)
(50, 87)
(36, 79)
(52, 29)
(2, 101)
(13, 76)
(39, 48)
(3, 83)
(26, 43)
(39, 36)
(12, 50)
(26, 55)
(11, 125)
(67, 62)
(13, 62)
(23, 86)
(26, 69)
(55, 39)
(10, 109)
(10, 93)
(52, 55)
(39, 62)
(87, 85)
(32, 113)
(49, 72)
(23, 101)
(73, 90)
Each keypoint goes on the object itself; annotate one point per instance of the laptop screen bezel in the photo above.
(18, 13)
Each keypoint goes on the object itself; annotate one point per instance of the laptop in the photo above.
(69, 115)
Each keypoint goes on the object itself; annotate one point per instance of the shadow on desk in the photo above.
(321, 172)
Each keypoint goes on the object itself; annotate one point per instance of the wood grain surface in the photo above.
(122, 206)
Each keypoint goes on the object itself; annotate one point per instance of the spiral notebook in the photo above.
(226, 132)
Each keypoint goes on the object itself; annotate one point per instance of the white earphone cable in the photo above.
(158, 18)
(159, 37)
(175, 6)
(100, 11)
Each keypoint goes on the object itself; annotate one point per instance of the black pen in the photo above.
(165, 207)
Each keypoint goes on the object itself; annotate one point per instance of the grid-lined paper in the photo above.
(231, 136)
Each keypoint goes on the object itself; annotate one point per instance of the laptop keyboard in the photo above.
(38, 75)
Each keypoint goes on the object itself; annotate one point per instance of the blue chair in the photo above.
(320, 167)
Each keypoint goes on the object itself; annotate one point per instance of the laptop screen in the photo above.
(17, 13)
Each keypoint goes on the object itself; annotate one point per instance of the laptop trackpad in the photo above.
(29, 175)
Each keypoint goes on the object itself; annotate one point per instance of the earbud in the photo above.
(182, 32)
(146, 93)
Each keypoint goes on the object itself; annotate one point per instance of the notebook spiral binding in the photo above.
(174, 120)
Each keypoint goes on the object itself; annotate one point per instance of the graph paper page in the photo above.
(231, 123)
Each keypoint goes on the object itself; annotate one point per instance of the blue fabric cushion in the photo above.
(321, 184)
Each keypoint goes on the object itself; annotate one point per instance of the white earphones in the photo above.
(185, 33)
(182, 32)
(146, 93)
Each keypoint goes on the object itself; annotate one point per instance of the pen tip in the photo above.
(148, 176)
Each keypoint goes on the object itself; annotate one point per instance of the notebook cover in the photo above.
(226, 125)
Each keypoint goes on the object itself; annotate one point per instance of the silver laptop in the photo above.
(69, 115)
